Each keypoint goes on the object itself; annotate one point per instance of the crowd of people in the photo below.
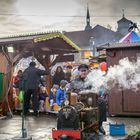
(30, 82)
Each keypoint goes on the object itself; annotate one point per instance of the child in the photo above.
(17, 86)
(61, 92)
(42, 98)
(17, 79)
(52, 97)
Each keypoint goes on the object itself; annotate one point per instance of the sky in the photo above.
(21, 16)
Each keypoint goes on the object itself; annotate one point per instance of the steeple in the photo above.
(123, 13)
(88, 27)
(88, 16)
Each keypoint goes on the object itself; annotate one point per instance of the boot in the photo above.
(101, 129)
(36, 113)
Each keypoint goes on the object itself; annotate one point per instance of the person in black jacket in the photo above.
(58, 76)
(31, 80)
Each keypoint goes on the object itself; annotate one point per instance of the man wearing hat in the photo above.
(30, 81)
(78, 85)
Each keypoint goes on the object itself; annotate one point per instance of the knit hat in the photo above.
(55, 86)
(63, 83)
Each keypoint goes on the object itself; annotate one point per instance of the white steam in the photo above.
(126, 75)
(95, 79)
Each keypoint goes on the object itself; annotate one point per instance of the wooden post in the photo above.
(46, 64)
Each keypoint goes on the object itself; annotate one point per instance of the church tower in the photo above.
(123, 24)
(88, 27)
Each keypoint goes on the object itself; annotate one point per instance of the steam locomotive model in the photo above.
(78, 121)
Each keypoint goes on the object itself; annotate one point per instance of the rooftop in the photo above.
(119, 45)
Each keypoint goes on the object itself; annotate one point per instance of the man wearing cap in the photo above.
(30, 81)
(78, 85)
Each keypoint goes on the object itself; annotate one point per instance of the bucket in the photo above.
(117, 129)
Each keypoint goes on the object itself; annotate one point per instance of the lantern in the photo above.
(103, 66)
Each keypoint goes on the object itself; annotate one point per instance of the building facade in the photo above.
(91, 37)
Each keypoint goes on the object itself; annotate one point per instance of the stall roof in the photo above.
(118, 45)
(50, 40)
(39, 45)
(132, 39)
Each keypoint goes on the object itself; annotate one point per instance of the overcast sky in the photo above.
(18, 16)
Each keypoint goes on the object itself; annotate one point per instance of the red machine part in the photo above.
(73, 134)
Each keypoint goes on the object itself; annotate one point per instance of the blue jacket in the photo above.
(60, 96)
(51, 96)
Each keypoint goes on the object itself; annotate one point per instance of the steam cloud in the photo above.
(126, 75)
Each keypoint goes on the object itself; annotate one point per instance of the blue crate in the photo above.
(117, 129)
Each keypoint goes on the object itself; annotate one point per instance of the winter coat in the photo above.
(60, 96)
(31, 77)
(58, 77)
(78, 85)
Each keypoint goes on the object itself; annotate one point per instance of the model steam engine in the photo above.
(78, 121)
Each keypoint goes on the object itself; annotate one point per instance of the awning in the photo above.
(130, 37)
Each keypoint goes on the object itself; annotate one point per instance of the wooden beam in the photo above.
(63, 58)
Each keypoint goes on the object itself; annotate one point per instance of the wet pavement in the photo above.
(39, 128)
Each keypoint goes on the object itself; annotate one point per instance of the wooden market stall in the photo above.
(122, 102)
(42, 46)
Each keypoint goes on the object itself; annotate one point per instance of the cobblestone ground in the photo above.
(39, 128)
